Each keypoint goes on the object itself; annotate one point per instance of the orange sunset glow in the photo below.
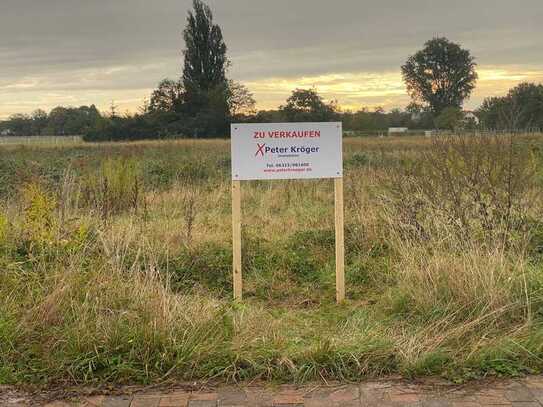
(353, 91)
(351, 53)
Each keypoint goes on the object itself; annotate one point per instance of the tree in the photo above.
(213, 117)
(58, 118)
(167, 97)
(414, 108)
(267, 116)
(240, 99)
(441, 75)
(489, 112)
(529, 97)
(306, 105)
(449, 119)
(204, 73)
(397, 118)
(39, 122)
(205, 54)
(113, 110)
(420, 116)
(72, 120)
(521, 108)
(20, 124)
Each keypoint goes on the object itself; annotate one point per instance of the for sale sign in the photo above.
(286, 151)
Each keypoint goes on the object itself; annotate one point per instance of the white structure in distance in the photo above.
(397, 130)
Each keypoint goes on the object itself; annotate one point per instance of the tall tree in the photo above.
(205, 54)
(441, 75)
(204, 74)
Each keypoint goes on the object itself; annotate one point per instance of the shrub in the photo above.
(476, 187)
(357, 160)
(159, 174)
(117, 187)
(40, 224)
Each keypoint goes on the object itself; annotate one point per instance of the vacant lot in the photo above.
(115, 263)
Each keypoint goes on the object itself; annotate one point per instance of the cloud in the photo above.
(81, 51)
(125, 85)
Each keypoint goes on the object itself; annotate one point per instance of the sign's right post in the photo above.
(340, 240)
(236, 240)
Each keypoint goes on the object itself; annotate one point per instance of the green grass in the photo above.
(115, 265)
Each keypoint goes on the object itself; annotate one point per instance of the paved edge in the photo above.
(526, 392)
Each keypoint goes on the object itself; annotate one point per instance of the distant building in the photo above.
(5, 132)
(471, 117)
(397, 130)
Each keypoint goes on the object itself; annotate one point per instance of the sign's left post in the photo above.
(236, 239)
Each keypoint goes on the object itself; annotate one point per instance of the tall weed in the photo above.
(40, 225)
(115, 188)
(467, 188)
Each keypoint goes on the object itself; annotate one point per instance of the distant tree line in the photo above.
(161, 120)
(204, 101)
(521, 108)
(60, 121)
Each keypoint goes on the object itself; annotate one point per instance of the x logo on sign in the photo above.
(260, 149)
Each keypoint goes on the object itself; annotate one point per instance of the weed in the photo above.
(443, 264)
(117, 187)
(357, 160)
(40, 223)
(3, 229)
(480, 186)
(189, 201)
(209, 265)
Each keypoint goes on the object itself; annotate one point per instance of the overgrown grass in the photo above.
(116, 265)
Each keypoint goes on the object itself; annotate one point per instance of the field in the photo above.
(115, 264)
(42, 140)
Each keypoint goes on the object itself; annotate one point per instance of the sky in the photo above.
(80, 52)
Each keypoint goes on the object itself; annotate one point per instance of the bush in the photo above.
(357, 160)
(122, 128)
(116, 187)
(40, 223)
(477, 187)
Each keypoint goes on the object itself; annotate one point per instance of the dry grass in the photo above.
(145, 295)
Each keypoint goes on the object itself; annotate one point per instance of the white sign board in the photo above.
(286, 151)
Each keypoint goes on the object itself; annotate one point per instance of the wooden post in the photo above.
(340, 245)
(236, 239)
